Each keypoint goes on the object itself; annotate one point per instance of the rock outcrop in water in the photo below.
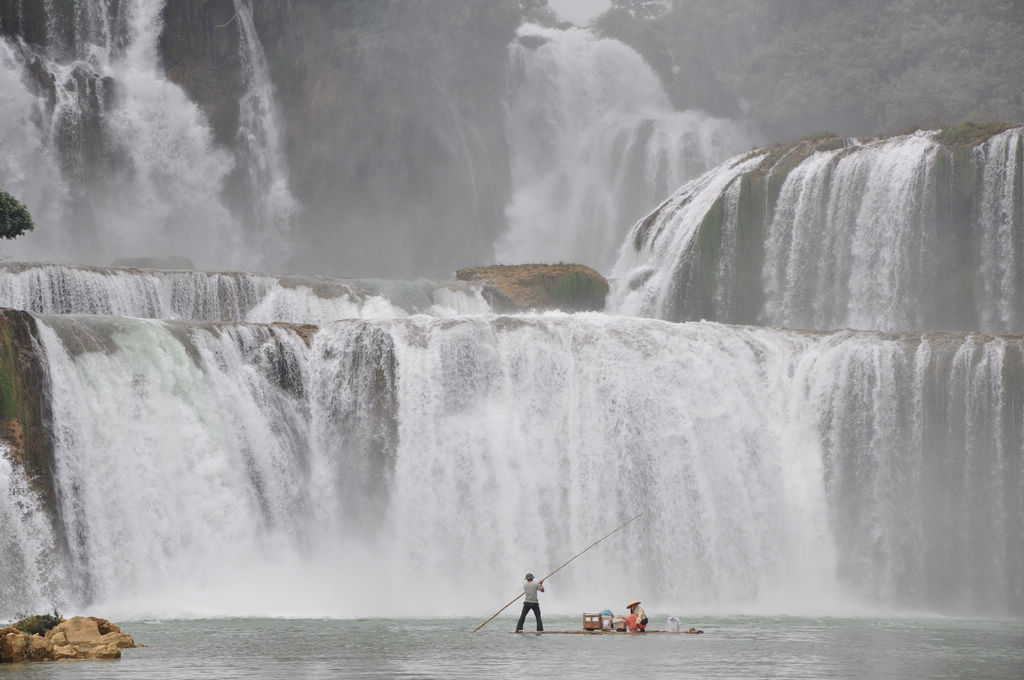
(515, 288)
(80, 637)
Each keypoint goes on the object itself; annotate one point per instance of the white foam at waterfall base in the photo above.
(520, 447)
(187, 483)
(595, 143)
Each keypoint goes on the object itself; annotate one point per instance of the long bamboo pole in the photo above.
(557, 570)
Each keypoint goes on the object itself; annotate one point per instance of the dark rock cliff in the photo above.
(199, 45)
(25, 417)
(393, 118)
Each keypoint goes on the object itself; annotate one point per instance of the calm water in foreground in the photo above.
(744, 647)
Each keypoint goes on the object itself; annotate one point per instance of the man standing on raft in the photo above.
(531, 602)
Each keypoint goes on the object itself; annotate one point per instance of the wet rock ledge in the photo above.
(522, 287)
(80, 637)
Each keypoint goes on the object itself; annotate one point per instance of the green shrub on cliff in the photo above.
(38, 624)
(970, 133)
(14, 217)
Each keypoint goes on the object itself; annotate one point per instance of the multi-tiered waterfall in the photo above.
(893, 234)
(188, 443)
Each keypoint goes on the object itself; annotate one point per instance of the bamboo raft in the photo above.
(601, 624)
(692, 631)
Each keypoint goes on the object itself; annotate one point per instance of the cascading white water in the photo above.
(870, 236)
(259, 132)
(29, 167)
(644, 279)
(127, 165)
(31, 571)
(851, 237)
(418, 466)
(226, 296)
(999, 222)
(594, 143)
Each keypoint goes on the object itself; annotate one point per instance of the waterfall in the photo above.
(127, 164)
(1000, 221)
(259, 133)
(891, 234)
(851, 238)
(646, 276)
(31, 574)
(594, 142)
(226, 296)
(778, 472)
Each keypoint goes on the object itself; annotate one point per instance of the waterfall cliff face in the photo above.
(787, 472)
(902, 233)
(594, 143)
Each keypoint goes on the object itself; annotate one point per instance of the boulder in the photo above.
(80, 637)
(522, 287)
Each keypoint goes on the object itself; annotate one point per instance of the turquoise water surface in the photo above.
(741, 647)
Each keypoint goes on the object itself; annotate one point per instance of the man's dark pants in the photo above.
(527, 606)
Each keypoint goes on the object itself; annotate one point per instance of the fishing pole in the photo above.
(557, 570)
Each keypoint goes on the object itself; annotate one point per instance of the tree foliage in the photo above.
(38, 624)
(859, 68)
(14, 217)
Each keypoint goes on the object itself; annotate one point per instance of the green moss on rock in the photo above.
(513, 288)
(970, 134)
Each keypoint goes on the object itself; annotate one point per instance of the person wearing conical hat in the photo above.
(637, 619)
(531, 602)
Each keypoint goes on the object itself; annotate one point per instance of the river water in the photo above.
(739, 647)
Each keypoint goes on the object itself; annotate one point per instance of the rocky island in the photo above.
(80, 637)
(521, 287)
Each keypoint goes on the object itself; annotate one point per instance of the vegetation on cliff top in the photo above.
(859, 68)
(970, 133)
(38, 624)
